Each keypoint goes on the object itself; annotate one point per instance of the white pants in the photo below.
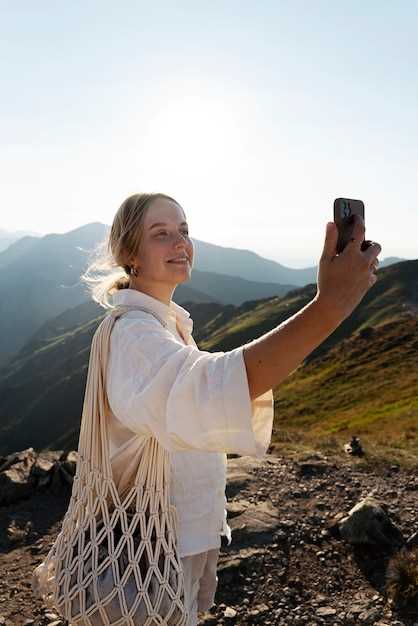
(200, 582)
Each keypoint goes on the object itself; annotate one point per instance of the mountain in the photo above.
(208, 258)
(49, 268)
(252, 266)
(16, 250)
(391, 260)
(41, 279)
(9, 237)
(376, 348)
(394, 296)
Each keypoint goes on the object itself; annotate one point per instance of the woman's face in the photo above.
(165, 237)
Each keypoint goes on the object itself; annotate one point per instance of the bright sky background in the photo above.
(253, 115)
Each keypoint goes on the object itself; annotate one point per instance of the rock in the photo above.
(257, 525)
(66, 476)
(233, 567)
(259, 610)
(369, 617)
(16, 457)
(230, 612)
(325, 611)
(308, 469)
(237, 507)
(238, 480)
(333, 527)
(355, 610)
(354, 447)
(15, 478)
(59, 478)
(69, 463)
(368, 523)
(19, 528)
(41, 471)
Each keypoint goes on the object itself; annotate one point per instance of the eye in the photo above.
(164, 232)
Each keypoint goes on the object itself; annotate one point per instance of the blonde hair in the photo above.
(108, 265)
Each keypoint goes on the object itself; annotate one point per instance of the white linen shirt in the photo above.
(196, 403)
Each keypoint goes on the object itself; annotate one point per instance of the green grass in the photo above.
(349, 392)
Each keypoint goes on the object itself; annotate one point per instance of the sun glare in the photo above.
(194, 131)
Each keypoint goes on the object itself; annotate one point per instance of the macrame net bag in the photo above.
(115, 561)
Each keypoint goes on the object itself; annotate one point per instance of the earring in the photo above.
(134, 271)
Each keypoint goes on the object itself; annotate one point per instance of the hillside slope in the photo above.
(365, 371)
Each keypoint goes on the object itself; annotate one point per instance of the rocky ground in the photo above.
(286, 564)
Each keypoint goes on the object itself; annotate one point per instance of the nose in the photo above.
(181, 240)
(180, 243)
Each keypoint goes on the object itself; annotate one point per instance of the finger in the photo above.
(373, 251)
(365, 244)
(330, 243)
(357, 237)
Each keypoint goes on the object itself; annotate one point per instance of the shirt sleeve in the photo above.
(189, 399)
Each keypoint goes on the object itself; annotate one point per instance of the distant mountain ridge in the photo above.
(7, 237)
(49, 269)
(212, 258)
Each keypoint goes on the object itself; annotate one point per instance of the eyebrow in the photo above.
(164, 224)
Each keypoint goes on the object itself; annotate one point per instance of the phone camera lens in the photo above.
(345, 209)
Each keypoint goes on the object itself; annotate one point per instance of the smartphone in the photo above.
(344, 211)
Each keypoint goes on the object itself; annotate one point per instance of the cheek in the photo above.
(159, 246)
(156, 253)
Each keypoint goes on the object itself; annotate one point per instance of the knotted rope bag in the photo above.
(115, 561)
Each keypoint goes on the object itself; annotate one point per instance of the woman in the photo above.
(202, 405)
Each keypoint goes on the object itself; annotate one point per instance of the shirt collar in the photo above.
(169, 313)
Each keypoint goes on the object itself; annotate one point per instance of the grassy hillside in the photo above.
(367, 385)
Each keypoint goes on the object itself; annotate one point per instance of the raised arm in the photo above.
(343, 280)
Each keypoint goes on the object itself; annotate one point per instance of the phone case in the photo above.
(344, 211)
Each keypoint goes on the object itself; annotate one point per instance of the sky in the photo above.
(254, 116)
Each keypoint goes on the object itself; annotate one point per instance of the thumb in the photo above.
(331, 238)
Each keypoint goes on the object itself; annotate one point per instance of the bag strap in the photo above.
(153, 469)
(121, 309)
(93, 442)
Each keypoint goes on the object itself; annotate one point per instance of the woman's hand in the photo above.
(344, 279)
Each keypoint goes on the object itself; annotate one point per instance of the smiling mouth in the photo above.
(183, 262)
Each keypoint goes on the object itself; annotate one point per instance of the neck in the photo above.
(152, 291)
